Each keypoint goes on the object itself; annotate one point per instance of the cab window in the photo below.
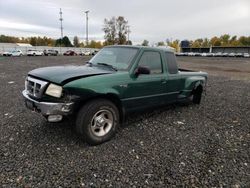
(171, 63)
(151, 60)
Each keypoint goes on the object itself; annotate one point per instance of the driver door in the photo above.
(147, 90)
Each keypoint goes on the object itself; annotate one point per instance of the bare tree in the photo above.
(145, 43)
(115, 30)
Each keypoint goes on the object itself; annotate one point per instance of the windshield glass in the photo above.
(117, 57)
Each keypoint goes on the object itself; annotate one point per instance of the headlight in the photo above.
(54, 90)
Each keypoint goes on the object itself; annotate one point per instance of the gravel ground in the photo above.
(203, 145)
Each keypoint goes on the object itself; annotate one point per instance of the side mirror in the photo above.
(141, 70)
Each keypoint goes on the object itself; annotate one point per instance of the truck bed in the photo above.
(186, 70)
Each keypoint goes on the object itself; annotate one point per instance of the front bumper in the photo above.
(48, 108)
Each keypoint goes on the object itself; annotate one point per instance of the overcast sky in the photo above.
(154, 20)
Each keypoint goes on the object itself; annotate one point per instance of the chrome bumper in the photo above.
(47, 108)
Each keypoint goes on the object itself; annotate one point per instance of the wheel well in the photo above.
(111, 97)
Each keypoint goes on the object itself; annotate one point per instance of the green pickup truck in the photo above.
(118, 80)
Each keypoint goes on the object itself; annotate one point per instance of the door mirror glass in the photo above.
(142, 70)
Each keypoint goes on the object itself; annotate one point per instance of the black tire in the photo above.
(87, 123)
(197, 94)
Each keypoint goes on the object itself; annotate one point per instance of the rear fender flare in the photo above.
(194, 81)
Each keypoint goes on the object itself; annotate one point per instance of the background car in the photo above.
(191, 54)
(239, 55)
(13, 53)
(210, 54)
(218, 54)
(70, 53)
(246, 55)
(7, 53)
(50, 52)
(231, 54)
(179, 54)
(34, 53)
(224, 54)
(85, 53)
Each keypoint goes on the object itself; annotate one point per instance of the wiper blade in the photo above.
(105, 64)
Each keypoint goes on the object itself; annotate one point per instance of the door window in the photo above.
(171, 63)
(151, 60)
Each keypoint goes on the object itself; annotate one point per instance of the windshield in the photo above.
(118, 57)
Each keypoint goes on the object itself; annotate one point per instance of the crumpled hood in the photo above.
(64, 74)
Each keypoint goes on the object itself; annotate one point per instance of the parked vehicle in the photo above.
(210, 54)
(239, 55)
(246, 55)
(50, 52)
(191, 54)
(17, 53)
(231, 54)
(179, 54)
(85, 53)
(218, 54)
(7, 53)
(197, 54)
(116, 81)
(204, 54)
(224, 54)
(13, 53)
(34, 53)
(70, 53)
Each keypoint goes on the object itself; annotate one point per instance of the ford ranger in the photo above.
(118, 80)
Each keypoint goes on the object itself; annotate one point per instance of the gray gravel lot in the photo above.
(203, 145)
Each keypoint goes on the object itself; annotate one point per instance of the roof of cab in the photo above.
(142, 47)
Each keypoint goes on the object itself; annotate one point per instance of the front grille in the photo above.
(35, 87)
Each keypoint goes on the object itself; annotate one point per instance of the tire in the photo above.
(197, 94)
(97, 121)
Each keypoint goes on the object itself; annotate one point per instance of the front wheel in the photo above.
(97, 121)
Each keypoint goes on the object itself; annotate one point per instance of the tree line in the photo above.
(224, 41)
(45, 41)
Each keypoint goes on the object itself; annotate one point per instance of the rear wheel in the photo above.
(97, 121)
(197, 94)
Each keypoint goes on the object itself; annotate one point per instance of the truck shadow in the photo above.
(64, 132)
(153, 113)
